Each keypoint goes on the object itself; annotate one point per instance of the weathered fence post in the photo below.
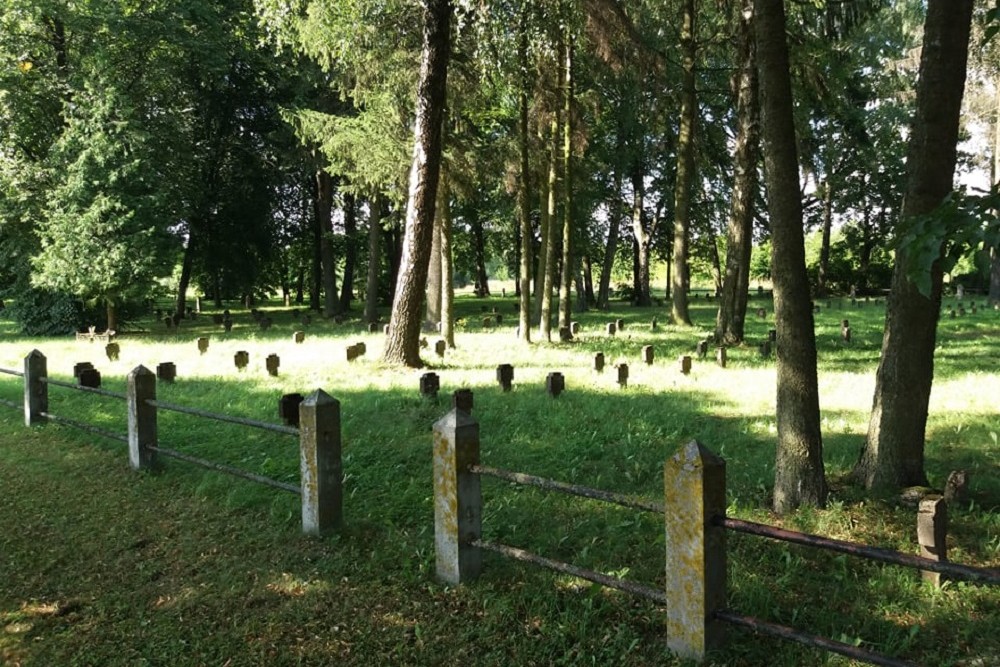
(932, 534)
(36, 392)
(458, 503)
(694, 487)
(141, 388)
(321, 465)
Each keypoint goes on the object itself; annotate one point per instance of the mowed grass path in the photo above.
(102, 566)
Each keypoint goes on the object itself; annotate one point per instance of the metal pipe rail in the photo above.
(815, 641)
(89, 390)
(621, 499)
(8, 371)
(276, 428)
(640, 590)
(229, 470)
(83, 426)
(984, 575)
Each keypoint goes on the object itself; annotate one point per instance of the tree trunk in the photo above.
(685, 169)
(112, 313)
(375, 214)
(643, 240)
(402, 345)
(731, 318)
(317, 235)
(824, 249)
(893, 454)
(524, 184)
(994, 290)
(615, 215)
(545, 314)
(324, 227)
(541, 265)
(350, 250)
(187, 264)
(432, 313)
(479, 250)
(447, 268)
(566, 276)
(588, 299)
(799, 476)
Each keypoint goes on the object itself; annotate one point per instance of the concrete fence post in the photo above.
(321, 465)
(932, 534)
(36, 392)
(458, 502)
(141, 388)
(694, 487)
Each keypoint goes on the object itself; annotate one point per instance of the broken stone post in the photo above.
(555, 383)
(322, 469)
(36, 392)
(458, 503)
(599, 362)
(932, 534)
(720, 356)
(694, 490)
(288, 408)
(166, 371)
(684, 364)
(202, 345)
(622, 375)
(647, 355)
(462, 400)
(505, 376)
(272, 362)
(140, 389)
(429, 385)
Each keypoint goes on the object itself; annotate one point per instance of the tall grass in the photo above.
(191, 567)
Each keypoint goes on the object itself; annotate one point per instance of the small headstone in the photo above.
(555, 383)
(961, 311)
(288, 408)
(611, 328)
(462, 400)
(166, 371)
(505, 376)
(351, 352)
(440, 346)
(684, 364)
(951, 313)
(299, 336)
(622, 375)
(361, 348)
(647, 355)
(429, 385)
(599, 362)
(372, 327)
(565, 334)
(112, 350)
(620, 324)
(702, 349)
(956, 489)
(499, 319)
(720, 356)
(423, 343)
(760, 290)
(241, 359)
(80, 367)
(973, 309)
(385, 329)
(272, 362)
(202, 345)
(89, 377)
(574, 328)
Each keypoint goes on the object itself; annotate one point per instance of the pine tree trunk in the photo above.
(112, 313)
(545, 313)
(187, 264)
(643, 241)
(350, 250)
(479, 251)
(799, 476)
(524, 184)
(324, 225)
(566, 276)
(824, 250)
(374, 258)
(402, 345)
(432, 313)
(685, 169)
(447, 267)
(615, 215)
(893, 455)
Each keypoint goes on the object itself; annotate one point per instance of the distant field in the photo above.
(102, 566)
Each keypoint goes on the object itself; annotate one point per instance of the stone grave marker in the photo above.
(720, 356)
(762, 313)
(611, 328)
(288, 408)
(772, 335)
(620, 324)
(765, 348)
(202, 345)
(574, 328)
(505, 376)
(241, 359)
(362, 348)
(372, 327)
(168, 322)
(272, 362)
(299, 336)
(647, 355)
(440, 346)
(684, 364)
(622, 375)
(429, 385)
(112, 350)
(555, 384)
(351, 352)
(166, 371)
(565, 335)
(599, 362)
(702, 348)
(80, 367)
(89, 377)
(462, 400)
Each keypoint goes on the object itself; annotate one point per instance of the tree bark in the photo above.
(566, 276)
(324, 228)
(824, 250)
(432, 313)
(317, 228)
(524, 184)
(402, 344)
(685, 169)
(643, 239)
(731, 318)
(447, 266)
(479, 251)
(799, 476)
(375, 214)
(893, 454)
(350, 250)
(187, 265)
(545, 312)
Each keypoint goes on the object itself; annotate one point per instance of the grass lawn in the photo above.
(103, 566)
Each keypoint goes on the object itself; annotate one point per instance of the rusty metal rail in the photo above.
(983, 575)
(639, 590)
(229, 470)
(8, 371)
(275, 428)
(621, 499)
(83, 426)
(815, 641)
(89, 390)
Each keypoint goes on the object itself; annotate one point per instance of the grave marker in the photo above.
(684, 364)
(462, 400)
(555, 383)
(112, 350)
(429, 385)
(89, 377)
(299, 336)
(599, 362)
(647, 355)
(505, 376)
(622, 375)
(272, 362)
(202, 345)
(241, 359)
(288, 408)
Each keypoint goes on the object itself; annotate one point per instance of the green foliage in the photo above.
(40, 312)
